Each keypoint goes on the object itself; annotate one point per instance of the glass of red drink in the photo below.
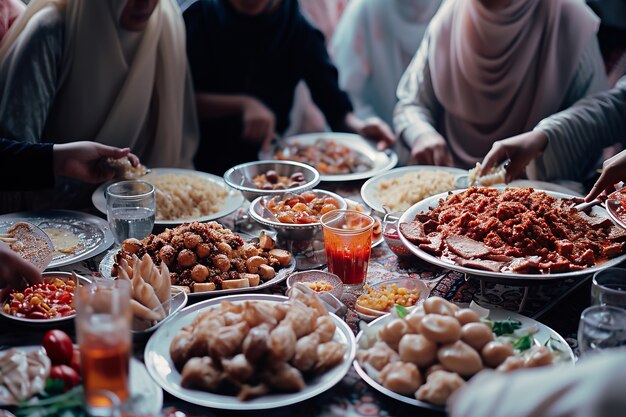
(103, 320)
(348, 244)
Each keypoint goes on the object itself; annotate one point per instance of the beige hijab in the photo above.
(498, 73)
(144, 102)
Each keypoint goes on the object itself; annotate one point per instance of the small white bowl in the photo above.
(403, 282)
(313, 276)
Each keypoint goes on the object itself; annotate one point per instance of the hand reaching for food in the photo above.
(258, 122)
(520, 149)
(127, 167)
(431, 149)
(613, 171)
(86, 160)
(377, 130)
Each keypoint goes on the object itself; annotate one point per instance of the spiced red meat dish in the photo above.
(514, 230)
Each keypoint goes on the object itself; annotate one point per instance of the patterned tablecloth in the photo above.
(352, 397)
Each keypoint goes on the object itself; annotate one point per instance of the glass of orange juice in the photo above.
(348, 244)
(103, 320)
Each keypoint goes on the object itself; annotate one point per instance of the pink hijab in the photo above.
(9, 11)
(498, 73)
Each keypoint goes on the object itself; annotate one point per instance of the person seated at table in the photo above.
(373, 45)
(111, 71)
(9, 11)
(490, 69)
(594, 387)
(563, 142)
(81, 160)
(246, 58)
(27, 166)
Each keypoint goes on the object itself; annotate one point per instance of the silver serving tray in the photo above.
(542, 336)
(163, 371)
(93, 231)
(508, 277)
(106, 265)
(380, 161)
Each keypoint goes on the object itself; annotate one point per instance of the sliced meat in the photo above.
(561, 265)
(467, 248)
(596, 222)
(483, 264)
(586, 258)
(527, 264)
(414, 232)
(435, 245)
(421, 217)
(617, 234)
(564, 247)
(613, 250)
(430, 226)
(499, 257)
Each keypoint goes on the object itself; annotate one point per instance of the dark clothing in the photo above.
(25, 166)
(263, 56)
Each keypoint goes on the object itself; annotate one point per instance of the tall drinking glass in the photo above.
(348, 244)
(131, 209)
(608, 287)
(601, 327)
(103, 318)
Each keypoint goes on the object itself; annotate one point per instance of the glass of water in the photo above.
(131, 209)
(608, 287)
(601, 327)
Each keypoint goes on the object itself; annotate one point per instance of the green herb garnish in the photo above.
(523, 343)
(507, 326)
(401, 311)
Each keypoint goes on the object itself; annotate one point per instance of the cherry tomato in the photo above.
(58, 347)
(66, 374)
(75, 364)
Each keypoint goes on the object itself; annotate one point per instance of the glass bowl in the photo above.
(369, 314)
(314, 276)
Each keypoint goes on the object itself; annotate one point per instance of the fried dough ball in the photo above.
(494, 353)
(440, 329)
(325, 328)
(238, 368)
(329, 355)
(199, 273)
(417, 349)
(538, 356)
(434, 368)
(201, 373)
(167, 254)
(221, 262)
(414, 318)
(438, 305)
(186, 258)
(438, 387)
(378, 355)
(192, 240)
(477, 335)
(203, 250)
(466, 315)
(459, 357)
(401, 377)
(393, 331)
(131, 245)
(224, 248)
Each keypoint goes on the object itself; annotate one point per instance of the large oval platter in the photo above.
(380, 161)
(106, 265)
(501, 277)
(234, 198)
(370, 189)
(92, 233)
(543, 335)
(163, 371)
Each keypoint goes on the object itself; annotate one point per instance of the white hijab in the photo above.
(498, 73)
(101, 96)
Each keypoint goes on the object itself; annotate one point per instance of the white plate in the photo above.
(369, 190)
(542, 336)
(162, 369)
(234, 199)
(92, 231)
(146, 395)
(106, 265)
(512, 277)
(380, 161)
(64, 276)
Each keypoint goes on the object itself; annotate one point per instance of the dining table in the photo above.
(555, 303)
